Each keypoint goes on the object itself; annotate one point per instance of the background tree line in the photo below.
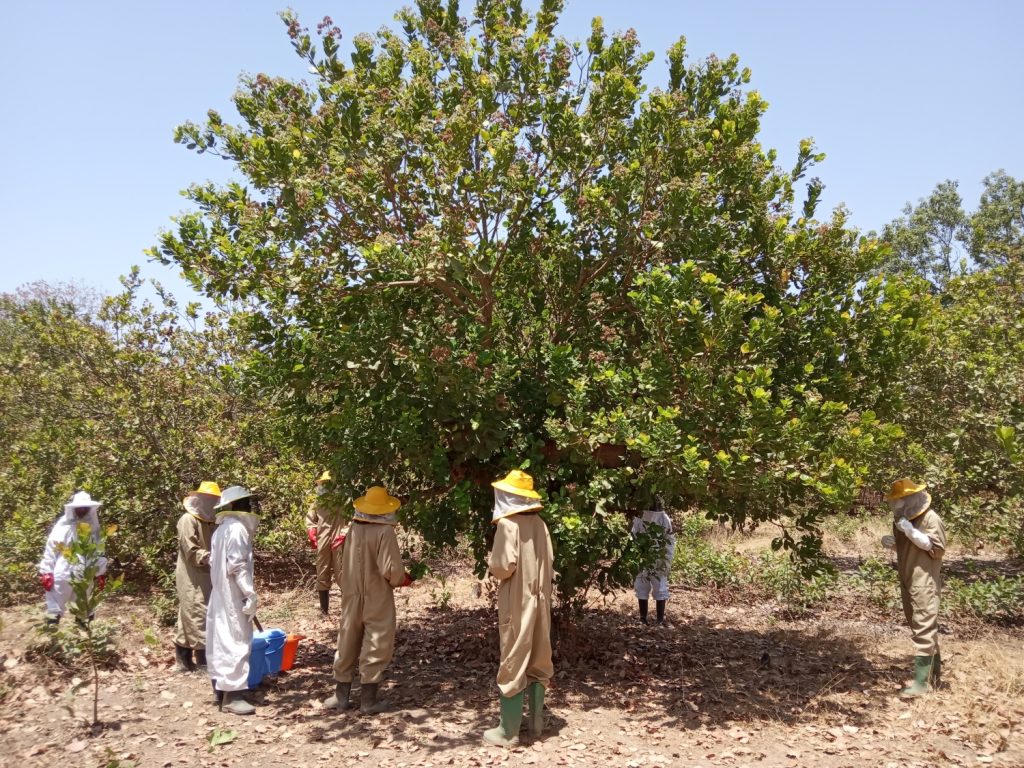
(480, 246)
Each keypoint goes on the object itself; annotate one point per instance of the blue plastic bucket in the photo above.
(265, 655)
(275, 650)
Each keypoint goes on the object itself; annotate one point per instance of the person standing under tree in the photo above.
(326, 528)
(522, 559)
(919, 539)
(371, 569)
(232, 608)
(192, 575)
(655, 578)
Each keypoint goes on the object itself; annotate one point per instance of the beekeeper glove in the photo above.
(889, 541)
(919, 538)
(249, 606)
(46, 579)
(338, 541)
(311, 535)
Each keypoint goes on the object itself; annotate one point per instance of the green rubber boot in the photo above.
(923, 666)
(369, 704)
(340, 698)
(507, 733)
(535, 698)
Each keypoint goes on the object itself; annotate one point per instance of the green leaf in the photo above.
(220, 736)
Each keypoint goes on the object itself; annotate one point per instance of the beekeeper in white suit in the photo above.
(232, 606)
(55, 571)
(655, 579)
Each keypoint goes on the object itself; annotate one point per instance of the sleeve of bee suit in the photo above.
(238, 556)
(505, 553)
(190, 543)
(312, 520)
(389, 559)
(49, 561)
(931, 526)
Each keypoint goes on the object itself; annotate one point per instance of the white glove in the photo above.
(889, 542)
(919, 538)
(249, 606)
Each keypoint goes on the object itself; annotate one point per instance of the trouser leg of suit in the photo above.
(350, 638)
(57, 597)
(378, 640)
(924, 619)
(325, 564)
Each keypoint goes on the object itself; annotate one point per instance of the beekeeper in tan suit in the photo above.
(920, 542)
(326, 528)
(371, 569)
(192, 574)
(522, 560)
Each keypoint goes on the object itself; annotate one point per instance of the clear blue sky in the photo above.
(900, 95)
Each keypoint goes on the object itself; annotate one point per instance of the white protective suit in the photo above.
(228, 627)
(655, 579)
(63, 533)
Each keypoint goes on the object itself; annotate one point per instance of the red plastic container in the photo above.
(291, 645)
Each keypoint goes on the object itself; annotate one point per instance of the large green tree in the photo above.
(480, 246)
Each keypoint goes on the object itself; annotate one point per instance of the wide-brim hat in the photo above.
(82, 500)
(324, 477)
(518, 483)
(232, 494)
(904, 487)
(376, 501)
(206, 488)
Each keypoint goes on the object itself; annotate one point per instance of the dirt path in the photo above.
(726, 685)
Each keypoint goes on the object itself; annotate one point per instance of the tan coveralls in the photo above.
(522, 559)
(919, 582)
(192, 577)
(329, 521)
(371, 567)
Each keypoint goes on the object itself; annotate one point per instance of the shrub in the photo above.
(999, 600)
(798, 587)
(698, 563)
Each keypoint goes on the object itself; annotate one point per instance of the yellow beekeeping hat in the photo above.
(325, 476)
(376, 501)
(903, 487)
(208, 488)
(518, 483)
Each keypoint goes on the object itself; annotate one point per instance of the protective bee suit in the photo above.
(326, 528)
(655, 579)
(232, 599)
(192, 574)
(919, 540)
(55, 570)
(522, 559)
(371, 569)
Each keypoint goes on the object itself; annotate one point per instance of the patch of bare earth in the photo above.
(732, 682)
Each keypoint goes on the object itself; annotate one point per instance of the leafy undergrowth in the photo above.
(731, 682)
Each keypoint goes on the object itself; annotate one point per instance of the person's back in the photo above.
(371, 558)
(371, 568)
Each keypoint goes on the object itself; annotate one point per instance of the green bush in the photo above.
(999, 600)
(66, 646)
(698, 563)
(798, 587)
(878, 582)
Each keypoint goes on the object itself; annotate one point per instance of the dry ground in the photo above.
(732, 682)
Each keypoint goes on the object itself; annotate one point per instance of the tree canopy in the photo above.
(481, 246)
